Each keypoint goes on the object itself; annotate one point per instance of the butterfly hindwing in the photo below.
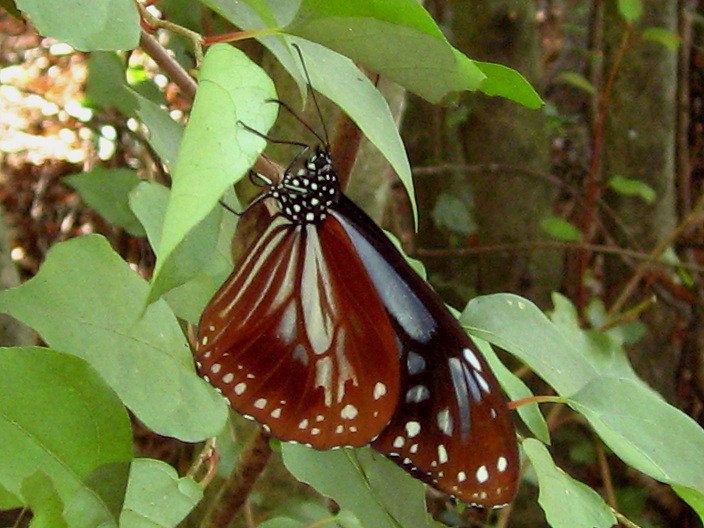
(452, 427)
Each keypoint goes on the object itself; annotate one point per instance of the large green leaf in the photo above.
(377, 491)
(86, 300)
(644, 430)
(100, 25)
(590, 370)
(58, 417)
(156, 496)
(567, 502)
(397, 39)
(517, 325)
(200, 264)
(216, 150)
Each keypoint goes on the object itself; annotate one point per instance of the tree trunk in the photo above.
(508, 206)
(639, 143)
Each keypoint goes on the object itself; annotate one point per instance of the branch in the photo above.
(238, 486)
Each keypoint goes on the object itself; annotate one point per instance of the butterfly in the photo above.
(326, 336)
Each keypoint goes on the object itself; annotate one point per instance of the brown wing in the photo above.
(298, 339)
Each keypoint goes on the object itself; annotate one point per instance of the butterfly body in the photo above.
(325, 335)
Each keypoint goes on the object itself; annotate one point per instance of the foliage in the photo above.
(115, 342)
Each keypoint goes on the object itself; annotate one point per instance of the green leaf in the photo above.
(663, 36)
(86, 300)
(352, 91)
(506, 82)
(452, 212)
(107, 191)
(694, 498)
(567, 503)
(518, 326)
(577, 80)
(58, 416)
(631, 10)
(211, 264)
(283, 522)
(216, 150)
(396, 38)
(41, 497)
(560, 229)
(107, 86)
(643, 430)
(156, 496)
(377, 491)
(101, 25)
(630, 187)
(604, 353)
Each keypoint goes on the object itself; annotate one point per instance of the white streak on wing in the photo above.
(259, 253)
(315, 282)
(323, 377)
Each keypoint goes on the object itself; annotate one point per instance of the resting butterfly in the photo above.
(326, 336)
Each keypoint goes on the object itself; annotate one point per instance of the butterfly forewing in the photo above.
(294, 344)
(452, 427)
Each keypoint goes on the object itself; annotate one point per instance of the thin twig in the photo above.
(238, 486)
(648, 259)
(594, 177)
(168, 65)
(605, 473)
(154, 22)
(694, 217)
(624, 520)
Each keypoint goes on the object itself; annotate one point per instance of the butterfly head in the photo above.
(305, 194)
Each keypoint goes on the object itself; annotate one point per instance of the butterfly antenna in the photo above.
(274, 140)
(315, 99)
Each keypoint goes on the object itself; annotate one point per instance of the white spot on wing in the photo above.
(412, 428)
(501, 464)
(227, 378)
(260, 403)
(215, 368)
(348, 412)
(442, 454)
(240, 388)
(303, 424)
(276, 413)
(461, 476)
(482, 474)
(398, 442)
(379, 390)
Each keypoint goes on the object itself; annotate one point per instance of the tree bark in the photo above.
(508, 207)
(639, 143)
